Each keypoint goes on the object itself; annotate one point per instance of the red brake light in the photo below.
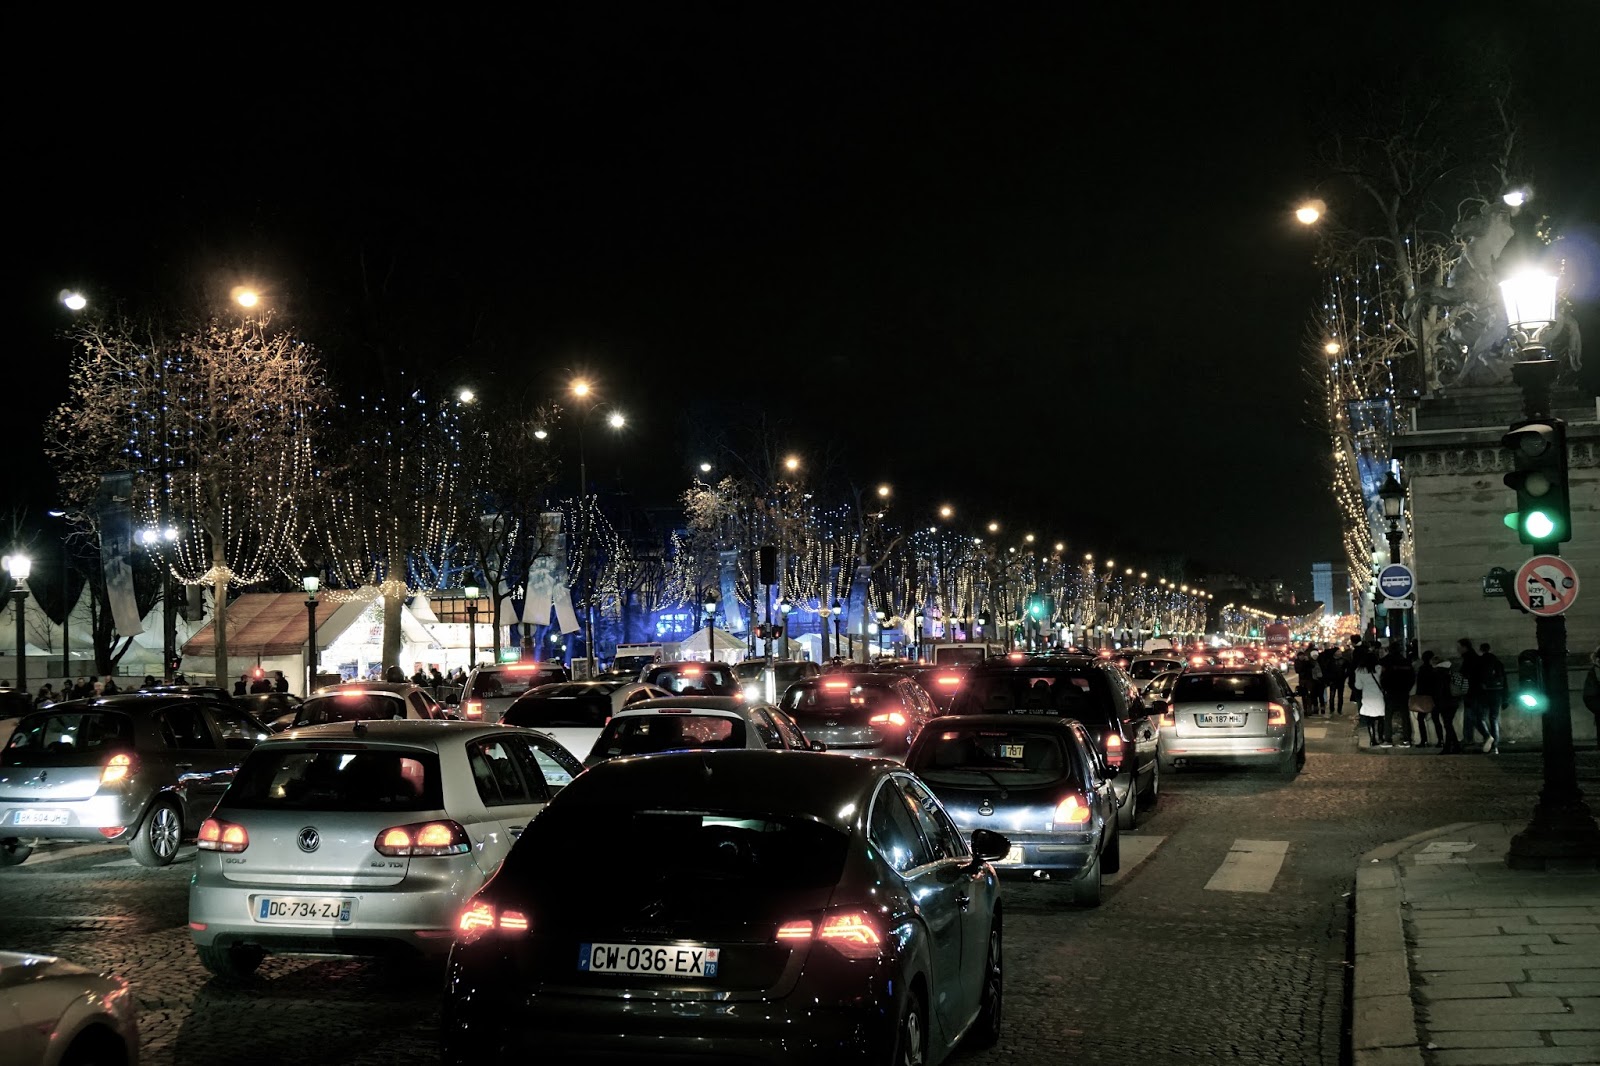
(1071, 811)
(894, 718)
(836, 686)
(1169, 717)
(116, 769)
(1277, 714)
(948, 680)
(481, 917)
(800, 930)
(1114, 749)
(218, 835)
(423, 839)
(852, 934)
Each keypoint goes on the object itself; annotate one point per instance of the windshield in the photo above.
(645, 734)
(1146, 669)
(350, 707)
(1081, 694)
(281, 777)
(1014, 756)
(1206, 688)
(632, 663)
(67, 739)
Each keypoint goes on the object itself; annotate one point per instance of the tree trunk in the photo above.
(219, 622)
(392, 603)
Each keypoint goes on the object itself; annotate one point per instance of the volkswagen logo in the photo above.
(309, 839)
(985, 808)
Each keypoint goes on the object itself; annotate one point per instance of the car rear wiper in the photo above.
(1004, 792)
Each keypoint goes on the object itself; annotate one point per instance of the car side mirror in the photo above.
(989, 845)
(817, 745)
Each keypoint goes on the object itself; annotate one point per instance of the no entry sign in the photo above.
(1546, 585)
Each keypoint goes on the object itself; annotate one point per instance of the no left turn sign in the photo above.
(1546, 585)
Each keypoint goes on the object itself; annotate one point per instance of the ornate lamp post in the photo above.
(710, 609)
(584, 391)
(883, 617)
(919, 620)
(152, 539)
(19, 567)
(311, 582)
(785, 605)
(1393, 496)
(472, 592)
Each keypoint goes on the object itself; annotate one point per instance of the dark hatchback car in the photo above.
(779, 908)
(940, 682)
(1038, 780)
(1095, 692)
(860, 713)
(694, 679)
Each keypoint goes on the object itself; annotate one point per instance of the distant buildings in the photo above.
(1331, 585)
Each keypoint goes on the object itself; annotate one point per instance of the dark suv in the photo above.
(1095, 692)
(142, 768)
(860, 713)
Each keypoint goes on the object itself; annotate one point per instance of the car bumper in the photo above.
(417, 916)
(85, 818)
(1242, 751)
(1060, 857)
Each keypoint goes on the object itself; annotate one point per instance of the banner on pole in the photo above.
(116, 550)
(547, 579)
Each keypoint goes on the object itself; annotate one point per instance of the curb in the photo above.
(1383, 1017)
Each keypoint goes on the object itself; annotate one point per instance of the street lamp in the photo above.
(19, 567)
(472, 592)
(785, 605)
(710, 609)
(883, 616)
(311, 581)
(1393, 497)
(583, 390)
(919, 620)
(73, 300)
(838, 625)
(151, 539)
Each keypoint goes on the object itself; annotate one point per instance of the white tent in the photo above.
(730, 649)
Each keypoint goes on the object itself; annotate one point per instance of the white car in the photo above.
(574, 712)
(363, 838)
(56, 1013)
(691, 722)
(367, 701)
(492, 689)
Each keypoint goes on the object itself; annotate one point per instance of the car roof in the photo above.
(733, 705)
(394, 688)
(999, 721)
(857, 677)
(125, 701)
(413, 732)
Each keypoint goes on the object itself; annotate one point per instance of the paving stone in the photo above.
(1530, 1056)
(1568, 990)
(1465, 991)
(1487, 1038)
(1501, 1005)
(1472, 943)
(1538, 1022)
(1423, 927)
(1577, 1039)
(1508, 971)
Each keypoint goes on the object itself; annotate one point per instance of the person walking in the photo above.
(1395, 677)
(1492, 679)
(1304, 666)
(1446, 702)
(1332, 663)
(1368, 698)
(1433, 696)
(1467, 685)
(241, 687)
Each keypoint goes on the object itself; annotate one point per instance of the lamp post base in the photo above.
(1561, 836)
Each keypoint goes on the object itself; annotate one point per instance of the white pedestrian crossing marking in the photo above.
(1251, 866)
(1135, 849)
(1316, 732)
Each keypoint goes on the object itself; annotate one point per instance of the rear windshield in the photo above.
(539, 711)
(1145, 669)
(694, 680)
(504, 684)
(67, 739)
(356, 707)
(328, 778)
(1200, 688)
(1084, 695)
(644, 734)
(1013, 756)
(632, 663)
(835, 693)
(744, 852)
(948, 656)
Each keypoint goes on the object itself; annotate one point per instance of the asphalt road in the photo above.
(1225, 942)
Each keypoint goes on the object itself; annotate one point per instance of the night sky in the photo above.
(1037, 265)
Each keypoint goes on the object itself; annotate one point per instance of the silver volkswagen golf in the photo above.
(363, 838)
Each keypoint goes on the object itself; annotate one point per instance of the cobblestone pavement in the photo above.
(1167, 970)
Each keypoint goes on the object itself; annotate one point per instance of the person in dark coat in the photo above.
(1333, 675)
(1396, 676)
(241, 687)
(1470, 668)
(1433, 681)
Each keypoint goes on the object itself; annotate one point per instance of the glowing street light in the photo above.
(883, 491)
(466, 396)
(580, 387)
(947, 512)
(792, 463)
(1028, 537)
(1061, 545)
(705, 468)
(74, 300)
(1332, 348)
(245, 296)
(1308, 213)
(994, 527)
(616, 420)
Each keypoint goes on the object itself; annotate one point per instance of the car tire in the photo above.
(1153, 791)
(232, 964)
(1128, 813)
(14, 852)
(1086, 890)
(1289, 763)
(1111, 854)
(159, 836)
(985, 1031)
(911, 1035)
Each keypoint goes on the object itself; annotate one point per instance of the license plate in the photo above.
(664, 960)
(43, 817)
(1013, 856)
(1219, 719)
(303, 909)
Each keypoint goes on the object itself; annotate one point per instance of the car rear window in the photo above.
(540, 711)
(835, 692)
(694, 679)
(1201, 688)
(351, 707)
(1013, 756)
(82, 739)
(1145, 669)
(644, 734)
(508, 684)
(336, 778)
(1084, 695)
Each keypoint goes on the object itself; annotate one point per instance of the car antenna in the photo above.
(359, 730)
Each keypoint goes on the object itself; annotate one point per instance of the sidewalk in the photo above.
(1460, 961)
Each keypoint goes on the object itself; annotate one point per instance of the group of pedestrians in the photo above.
(1322, 675)
(1394, 689)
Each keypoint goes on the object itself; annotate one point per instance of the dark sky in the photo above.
(1015, 258)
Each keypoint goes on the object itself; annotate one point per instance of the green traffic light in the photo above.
(1511, 520)
(1531, 701)
(1538, 525)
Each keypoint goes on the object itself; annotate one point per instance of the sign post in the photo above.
(1397, 583)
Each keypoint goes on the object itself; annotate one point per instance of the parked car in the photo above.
(796, 907)
(57, 1013)
(1241, 715)
(13, 705)
(491, 689)
(140, 767)
(276, 709)
(1041, 781)
(694, 679)
(1093, 691)
(708, 722)
(575, 712)
(860, 713)
(367, 701)
(766, 683)
(363, 838)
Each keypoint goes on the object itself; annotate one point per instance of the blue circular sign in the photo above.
(1396, 582)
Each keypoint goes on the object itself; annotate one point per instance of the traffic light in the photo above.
(1530, 682)
(1539, 456)
(1036, 607)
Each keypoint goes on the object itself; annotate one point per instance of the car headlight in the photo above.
(752, 692)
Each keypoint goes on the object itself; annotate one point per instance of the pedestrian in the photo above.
(436, 680)
(1395, 677)
(109, 686)
(1446, 702)
(1333, 677)
(149, 681)
(1591, 688)
(1433, 694)
(241, 687)
(1304, 666)
(260, 684)
(419, 678)
(46, 696)
(83, 689)
(282, 683)
(1319, 682)
(1467, 686)
(1492, 673)
(1368, 698)
(180, 680)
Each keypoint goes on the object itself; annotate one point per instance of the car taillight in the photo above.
(947, 680)
(1070, 811)
(472, 709)
(482, 917)
(852, 933)
(422, 839)
(836, 686)
(117, 768)
(1169, 716)
(1277, 714)
(218, 835)
(894, 718)
(1114, 749)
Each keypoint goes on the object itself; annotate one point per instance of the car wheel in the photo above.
(911, 1041)
(1086, 889)
(1300, 759)
(230, 964)
(1289, 763)
(96, 1047)
(991, 1008)
(156, 842)
(14, 852)
(1128, 813)
(1111, 854)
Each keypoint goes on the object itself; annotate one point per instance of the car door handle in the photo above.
(515, 830)
(963, 902)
